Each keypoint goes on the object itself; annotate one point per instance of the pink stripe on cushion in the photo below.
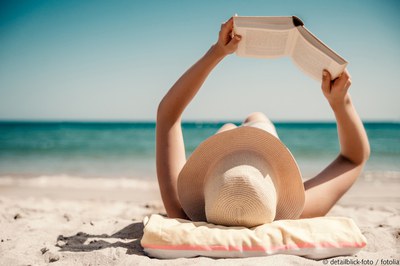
(258, 248)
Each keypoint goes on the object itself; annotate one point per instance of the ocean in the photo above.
(127, 149)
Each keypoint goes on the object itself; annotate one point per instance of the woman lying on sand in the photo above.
(245, 175)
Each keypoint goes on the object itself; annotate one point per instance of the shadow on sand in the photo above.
(77, 243)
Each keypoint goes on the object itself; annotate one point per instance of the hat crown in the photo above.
(231, 148)
(239, 191)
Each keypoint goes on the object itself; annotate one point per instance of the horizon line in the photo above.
(111, 121)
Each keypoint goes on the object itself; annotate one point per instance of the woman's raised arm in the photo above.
(170, 149)
(324, 190)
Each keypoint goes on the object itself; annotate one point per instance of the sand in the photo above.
(80, 221)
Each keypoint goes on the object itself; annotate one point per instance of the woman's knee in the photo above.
(256, 116)
(226, 127)
(260, 120)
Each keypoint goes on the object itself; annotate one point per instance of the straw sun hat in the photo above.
(241, 177)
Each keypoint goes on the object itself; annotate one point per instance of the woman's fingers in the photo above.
(234, 42)
(229, 22)
(343, 82)
(348, 84)
(226, 42)
(339, 84)
(326, 82)
(226, 27)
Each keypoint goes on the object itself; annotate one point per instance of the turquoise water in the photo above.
(128, 149)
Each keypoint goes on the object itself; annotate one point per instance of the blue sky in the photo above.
(115, 60)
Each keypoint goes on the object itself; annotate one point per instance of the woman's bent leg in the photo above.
(260, 120)
(226, 127)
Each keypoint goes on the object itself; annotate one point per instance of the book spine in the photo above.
(297, 21)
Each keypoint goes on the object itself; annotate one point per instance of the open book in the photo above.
(270, 37)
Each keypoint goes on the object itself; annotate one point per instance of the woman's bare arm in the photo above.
(324, 190)
(170, 149)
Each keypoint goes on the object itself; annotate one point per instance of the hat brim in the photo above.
(284, 170)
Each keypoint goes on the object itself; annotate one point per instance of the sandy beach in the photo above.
(97, 97)
(98, 221)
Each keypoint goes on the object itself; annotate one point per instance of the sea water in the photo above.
(127, 149)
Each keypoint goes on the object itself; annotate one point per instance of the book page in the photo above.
(271, 23)
(317, 43)
(312, 61)
(262, 43)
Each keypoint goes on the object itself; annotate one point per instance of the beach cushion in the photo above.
(315, 238)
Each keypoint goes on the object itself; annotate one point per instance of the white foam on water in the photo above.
(76, 182)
